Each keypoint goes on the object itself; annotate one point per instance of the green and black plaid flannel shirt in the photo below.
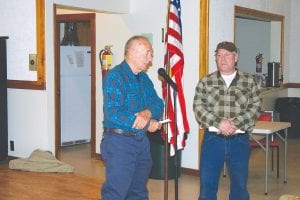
(213, 101)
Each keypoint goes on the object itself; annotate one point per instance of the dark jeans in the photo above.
(216, 150)
(128, 165)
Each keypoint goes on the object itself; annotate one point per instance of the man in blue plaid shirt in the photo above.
(226, 104)
(131, 107)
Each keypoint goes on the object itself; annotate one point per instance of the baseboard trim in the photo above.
(187, 171)
(291, 85)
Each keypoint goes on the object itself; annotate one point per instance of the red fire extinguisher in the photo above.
(259, 60)
(105, 57)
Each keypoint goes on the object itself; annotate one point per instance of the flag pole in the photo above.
(175, 137)
(166, 144)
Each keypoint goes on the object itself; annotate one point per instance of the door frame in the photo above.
(59, 19)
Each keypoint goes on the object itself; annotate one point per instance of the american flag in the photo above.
(174, 63)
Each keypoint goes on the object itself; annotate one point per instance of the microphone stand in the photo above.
(166, 152)
(175, 144)
(166, 156)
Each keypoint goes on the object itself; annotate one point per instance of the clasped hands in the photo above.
(141, 120)
(227, 127)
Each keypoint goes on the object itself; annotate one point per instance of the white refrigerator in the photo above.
(75, 94)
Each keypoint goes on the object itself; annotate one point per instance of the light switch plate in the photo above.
(32, 62)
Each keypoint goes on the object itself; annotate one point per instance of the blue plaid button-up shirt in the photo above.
(125, 94)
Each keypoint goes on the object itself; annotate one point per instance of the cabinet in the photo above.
(3, 100)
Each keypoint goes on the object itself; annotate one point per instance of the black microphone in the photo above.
(163, 74)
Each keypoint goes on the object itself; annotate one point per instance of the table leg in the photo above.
(285, 155)
(267, 161)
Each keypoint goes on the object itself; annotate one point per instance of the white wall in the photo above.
(294, 69)
(190, 20)
(27, 121)
(27, 109)
(115, 6)
(14, 14)
(275, 41)
(294, 92)
(31, 113)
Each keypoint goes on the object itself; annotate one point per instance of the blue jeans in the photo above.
(128, 164)
(216, 150)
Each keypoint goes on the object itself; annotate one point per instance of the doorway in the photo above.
(85, 26)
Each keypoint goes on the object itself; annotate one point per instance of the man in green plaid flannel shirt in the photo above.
(226, 104)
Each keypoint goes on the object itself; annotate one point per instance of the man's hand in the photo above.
(141, 120)
(154, 125)
(227, 127)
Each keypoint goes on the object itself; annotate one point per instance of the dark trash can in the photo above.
(157, 149)
(289, 111)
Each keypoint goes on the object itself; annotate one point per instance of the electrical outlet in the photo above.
(32, 62)
(12, 145)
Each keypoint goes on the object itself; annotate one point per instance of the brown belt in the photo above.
(119, 131)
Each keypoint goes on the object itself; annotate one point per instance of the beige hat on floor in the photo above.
(288, 197)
